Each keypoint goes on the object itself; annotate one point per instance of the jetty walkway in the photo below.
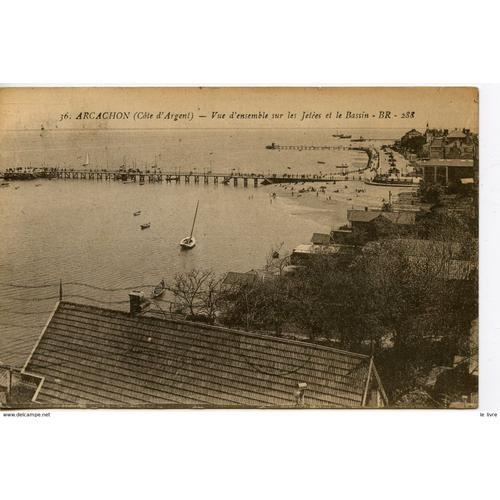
(131, 176)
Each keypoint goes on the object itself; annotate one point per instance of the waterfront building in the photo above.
(310, 252)
(436, 148)
(94, 357)
(443, 171)
(342, 235)
(320, 239)
(373, 224)
(411, 134)
(446, 144)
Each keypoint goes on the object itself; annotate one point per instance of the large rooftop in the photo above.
(94, 357)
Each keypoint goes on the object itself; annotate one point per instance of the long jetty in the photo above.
(193, 176)
(304, 147)
(177, 177)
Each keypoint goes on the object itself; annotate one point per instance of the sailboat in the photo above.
(189, 241)
(87, 161)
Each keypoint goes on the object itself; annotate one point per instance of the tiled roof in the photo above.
(403, 218)
(320, 239)
(94, 357)
(413, 133)
(4, 376)
(407, 217)
(362, 215)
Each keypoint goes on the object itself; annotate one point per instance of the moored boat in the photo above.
(137, 213)
(189, 241)
(146, 225)
(159, 289)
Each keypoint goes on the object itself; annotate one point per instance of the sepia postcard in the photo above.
(239, 247)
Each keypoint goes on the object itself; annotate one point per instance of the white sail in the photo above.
(87, 161)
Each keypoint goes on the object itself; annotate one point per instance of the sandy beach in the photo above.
(328, 202)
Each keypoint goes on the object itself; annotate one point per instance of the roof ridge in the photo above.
(42, 333)
(223, 329)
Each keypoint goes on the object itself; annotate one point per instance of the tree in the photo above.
(197, 293)
(430, 192)
(413, 144)
(210, 296)
(240, 305)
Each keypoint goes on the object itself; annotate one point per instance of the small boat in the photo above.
(159, 289)
(5, 184)
(137, 213)
(189, 241)
(146, 225)
(321, 162)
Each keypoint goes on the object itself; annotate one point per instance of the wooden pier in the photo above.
(141, 177)
(304, 147)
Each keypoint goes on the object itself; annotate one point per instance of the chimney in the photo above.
(138, 303)
(299, 393)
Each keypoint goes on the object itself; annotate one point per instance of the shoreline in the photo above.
(329, 206)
